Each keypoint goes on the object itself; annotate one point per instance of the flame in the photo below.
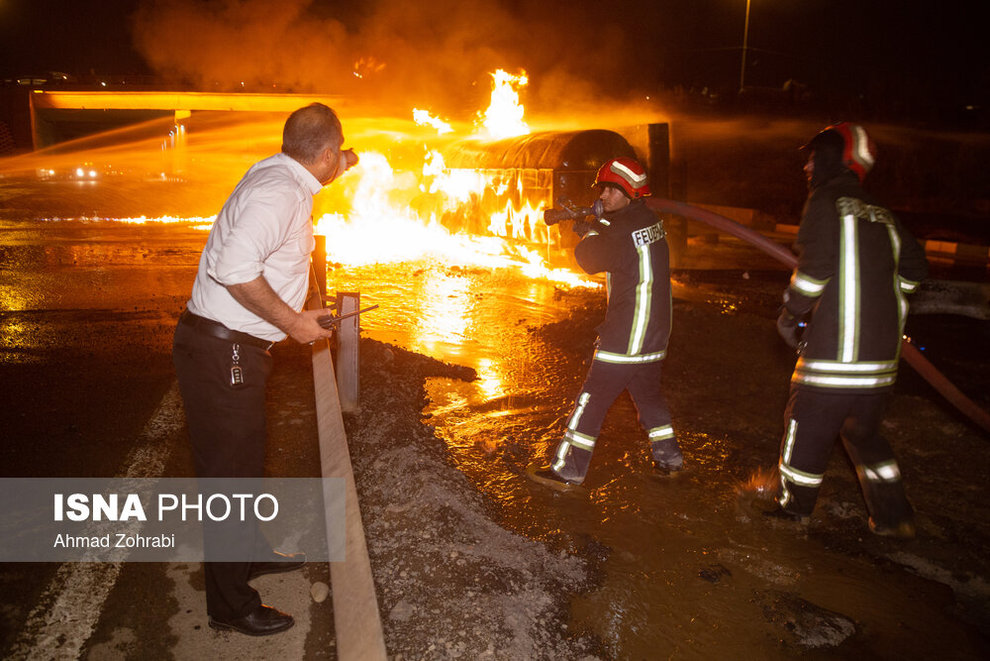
(468, 217)
(420, 209)
(455, 187)
(504, 116)
(424, 118)
(366, 66)
(380, 230)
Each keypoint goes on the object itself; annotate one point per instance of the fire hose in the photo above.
(921, 365)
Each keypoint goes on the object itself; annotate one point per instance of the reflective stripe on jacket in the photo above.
(855, 265)
(632, 250)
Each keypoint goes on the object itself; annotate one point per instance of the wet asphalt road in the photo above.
(89, 391)
(86, 330)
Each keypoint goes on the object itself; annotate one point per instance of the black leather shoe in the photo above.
(281, 562)
(262, 621)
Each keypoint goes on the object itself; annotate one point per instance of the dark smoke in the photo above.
(435, 54)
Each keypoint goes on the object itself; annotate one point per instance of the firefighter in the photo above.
(856, 264)
(628, 243)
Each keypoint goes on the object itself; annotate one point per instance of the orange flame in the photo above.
(420, 209)
(380, 230)
(504, 116)
(469, 217)
(424, 118)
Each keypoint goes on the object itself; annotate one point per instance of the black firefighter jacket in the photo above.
(856, 263)
(630, 245)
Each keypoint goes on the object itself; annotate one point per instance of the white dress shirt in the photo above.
(265, 228)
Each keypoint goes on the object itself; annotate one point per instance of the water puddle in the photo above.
(680, 565)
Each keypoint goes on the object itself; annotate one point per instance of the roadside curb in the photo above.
(941, 251)
(957, 252)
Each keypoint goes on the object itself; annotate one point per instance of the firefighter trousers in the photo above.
(603, 385)
(813, 420)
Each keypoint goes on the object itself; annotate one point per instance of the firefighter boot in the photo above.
(569, 467)
(903, 530)
(775, 512)
(891, 514)
(547, 477)
(667, 455)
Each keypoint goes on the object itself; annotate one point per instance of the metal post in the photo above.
(320, 265)
(659, 136)
(348, 336)
(742, 67)
(662, 185)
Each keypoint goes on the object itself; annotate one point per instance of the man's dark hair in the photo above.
(309, 131)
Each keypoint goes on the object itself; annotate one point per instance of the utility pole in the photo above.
(742, 67)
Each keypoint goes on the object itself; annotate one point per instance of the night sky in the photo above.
(909, 52)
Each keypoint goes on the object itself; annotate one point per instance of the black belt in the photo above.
(216, 329)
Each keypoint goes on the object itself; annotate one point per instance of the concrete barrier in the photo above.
(943, 252)
(957, 253)
(357, 621)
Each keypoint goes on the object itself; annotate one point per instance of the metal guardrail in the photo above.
(357, 621)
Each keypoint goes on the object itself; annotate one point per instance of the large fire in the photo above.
(393, 218)
(504, 117)
(402, 202)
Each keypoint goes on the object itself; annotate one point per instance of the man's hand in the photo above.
(307, 328)
(344, 160)
(787, 328)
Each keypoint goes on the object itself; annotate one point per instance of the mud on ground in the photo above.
(453, 583)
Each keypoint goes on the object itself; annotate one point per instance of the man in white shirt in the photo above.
(248, 294)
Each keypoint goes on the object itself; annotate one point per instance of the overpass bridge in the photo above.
(58, 116)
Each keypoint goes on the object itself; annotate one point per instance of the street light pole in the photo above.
(742, 67)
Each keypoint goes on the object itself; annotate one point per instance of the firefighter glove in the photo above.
(581, 227)
(787, 328)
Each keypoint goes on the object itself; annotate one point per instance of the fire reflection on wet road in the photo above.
(681, 564)
(677, 564)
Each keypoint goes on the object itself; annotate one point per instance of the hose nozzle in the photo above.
(569, 212)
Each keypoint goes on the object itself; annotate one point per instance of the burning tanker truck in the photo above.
(527, 175)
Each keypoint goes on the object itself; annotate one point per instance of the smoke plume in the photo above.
(432, 54)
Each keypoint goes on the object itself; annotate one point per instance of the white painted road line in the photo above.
(69, 609)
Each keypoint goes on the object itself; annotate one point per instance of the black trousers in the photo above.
(813, 420)
(603, 385)
(227, 429)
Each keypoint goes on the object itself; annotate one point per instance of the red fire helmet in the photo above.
(859, 152)
(625, 173)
